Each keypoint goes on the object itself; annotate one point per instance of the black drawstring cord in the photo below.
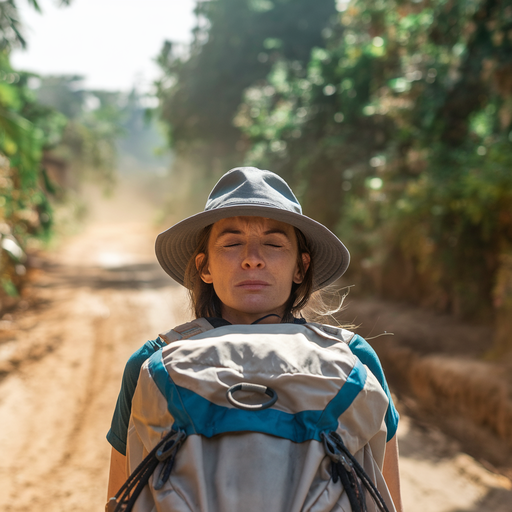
(346, 466)
(263, 318)
(164, 451)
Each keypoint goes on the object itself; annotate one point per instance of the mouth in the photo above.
(252, 284)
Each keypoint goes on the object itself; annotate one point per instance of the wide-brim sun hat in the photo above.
(247, 191)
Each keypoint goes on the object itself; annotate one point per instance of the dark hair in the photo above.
(204, 300)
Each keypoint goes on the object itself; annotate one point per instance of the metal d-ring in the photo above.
(254, 388)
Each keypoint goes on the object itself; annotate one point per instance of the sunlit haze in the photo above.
(112, 43)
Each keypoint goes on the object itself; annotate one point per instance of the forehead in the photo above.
(252, 225)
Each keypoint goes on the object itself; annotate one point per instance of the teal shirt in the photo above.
(118, 432)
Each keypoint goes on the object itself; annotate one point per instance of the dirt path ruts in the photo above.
(61, 363)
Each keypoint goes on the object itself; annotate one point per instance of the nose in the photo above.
(252, 257)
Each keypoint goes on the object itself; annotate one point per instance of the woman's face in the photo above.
(252, 263)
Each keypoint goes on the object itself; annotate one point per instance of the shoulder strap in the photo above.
(185, 331)
(329, 331)
(200, 325)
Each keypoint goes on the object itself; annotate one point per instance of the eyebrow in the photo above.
(229, 232)
(278, 231)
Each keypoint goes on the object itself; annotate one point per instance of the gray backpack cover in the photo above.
(230, 453)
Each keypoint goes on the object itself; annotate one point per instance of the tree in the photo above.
(29, 131)
(11, 31)
(25, 210)
(235, 45)
(87, 146)
(402, 126)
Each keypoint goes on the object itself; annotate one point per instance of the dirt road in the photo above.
(61, 360)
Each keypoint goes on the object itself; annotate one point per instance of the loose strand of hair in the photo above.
(326, 305)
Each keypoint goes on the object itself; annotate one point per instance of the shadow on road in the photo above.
(130, 276)
(496, 500)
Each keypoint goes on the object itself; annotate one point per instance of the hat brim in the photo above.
(175, 246)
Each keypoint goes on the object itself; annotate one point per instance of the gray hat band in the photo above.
(249, 185)
(247, 202)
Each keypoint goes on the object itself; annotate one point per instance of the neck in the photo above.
(240, 317)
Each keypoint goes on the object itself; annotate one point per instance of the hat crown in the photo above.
(252, 186)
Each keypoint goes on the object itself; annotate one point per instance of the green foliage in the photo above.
(26, 130)
(394, 127)
(93, 126)
(236, 43)
(25, 211)
(11, 31)
(397, 136)
(52, 136)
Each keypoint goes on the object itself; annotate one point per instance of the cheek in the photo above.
(287, 268)
(220, 265)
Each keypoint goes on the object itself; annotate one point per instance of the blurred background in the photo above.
(390, 119)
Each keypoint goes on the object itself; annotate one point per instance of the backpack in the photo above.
(255, 418)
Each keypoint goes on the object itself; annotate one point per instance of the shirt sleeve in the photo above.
(118, 432)
(362, 349)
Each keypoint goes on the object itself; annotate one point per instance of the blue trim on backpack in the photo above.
(197, 415)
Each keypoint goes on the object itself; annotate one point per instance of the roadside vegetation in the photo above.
(392, 118)
(53, 136)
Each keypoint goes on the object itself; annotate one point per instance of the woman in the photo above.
(249, 257)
